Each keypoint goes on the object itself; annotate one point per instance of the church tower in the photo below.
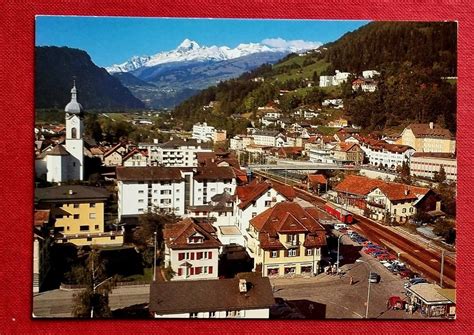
(74, 143)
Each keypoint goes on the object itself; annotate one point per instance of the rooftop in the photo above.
(71, 193)
(193, 296)
(176, 235)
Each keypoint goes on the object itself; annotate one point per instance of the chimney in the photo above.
(155, 141)
(242, 286)
(407, 191)
(431, 125)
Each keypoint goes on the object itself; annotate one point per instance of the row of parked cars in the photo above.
(389, 261)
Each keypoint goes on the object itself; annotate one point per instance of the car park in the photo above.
(415, 281)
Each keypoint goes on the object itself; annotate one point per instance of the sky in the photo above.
(113, 40)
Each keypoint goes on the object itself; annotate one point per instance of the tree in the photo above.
(93, 301)
(149, 223)
(443, 228)
(404, 173)
(440, 176)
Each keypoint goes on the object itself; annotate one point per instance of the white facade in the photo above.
(337, 79)
(193, 264)
(261, 313)
(136, 198)
(203, 132)
(265, 138)
(262, 203)
(427, 165)
(321, 155)
(387, 158)
(179, 152)
(140, 196)
(369, 74)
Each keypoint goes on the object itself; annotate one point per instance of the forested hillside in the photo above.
(414, 60)
(55, 69)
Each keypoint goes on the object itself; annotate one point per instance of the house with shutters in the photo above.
(287, 240)
(135, 157)
(191, 249)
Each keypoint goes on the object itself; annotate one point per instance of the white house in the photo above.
(240, 142)
(203, 132)
(219, 210)
(337, 79)
(191, 249)
(247, 296)
(135, 157)
(427, 164)
(271, 138)
(369, 74)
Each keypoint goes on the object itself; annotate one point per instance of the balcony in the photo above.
(291, 244)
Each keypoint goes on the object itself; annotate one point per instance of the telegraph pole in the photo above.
(442, 268)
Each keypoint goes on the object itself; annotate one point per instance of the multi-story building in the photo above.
(135, 157)
(179, 152)
(382, 199)
(203, 132)
(348, 152)
(247, 296)
(78, 214)
(252, 199)
(220, 210)
(428, 138)
(240, 142)
(337, 79)
(381, 153)
(287, 240)
(428, 164)
(141, 189)
(191, 249)
(271, 138)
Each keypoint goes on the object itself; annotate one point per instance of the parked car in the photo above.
(406, 273)
(374, 277)
(415, 281)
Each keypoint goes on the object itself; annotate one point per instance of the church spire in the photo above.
(74, 91)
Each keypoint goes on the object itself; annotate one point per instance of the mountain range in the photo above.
(167, 78)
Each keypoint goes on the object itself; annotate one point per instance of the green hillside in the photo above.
(411, 57)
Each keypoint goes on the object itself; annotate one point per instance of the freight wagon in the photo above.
(339, 213)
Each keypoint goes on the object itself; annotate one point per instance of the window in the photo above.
(92, 216)
(212, 314)
(76, 205)
(268, 203)
(180, 271)
(193, 315)
(58, 229)
(209, 256)
(199, 255)
(232, 314)
(84, 228)
(76, 216)
(140, 200)
(198, 270)
(180, 256)
(309, 252)
(73, 133)
(59, 216)
(89, 239)
(210, 270)
(67, 228)
(411, 209)
(140, 210)
(274, 254)
(112, 237)
(404, 210)
(292, 253)
(269, 194)
(92, 205)
(96, 227)
(140, 191)
(394, 211)
(254, 214)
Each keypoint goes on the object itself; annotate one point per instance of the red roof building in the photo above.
(286, 239)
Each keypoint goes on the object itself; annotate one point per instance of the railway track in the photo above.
(417, 256)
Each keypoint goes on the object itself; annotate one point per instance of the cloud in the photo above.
(293, 45)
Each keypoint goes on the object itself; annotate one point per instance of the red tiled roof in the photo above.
(251, 192)
(176, 235)
(317, 179)
(148, 173)
(133, 152)
(113, 149)
(360, 185)
(424, 130)
(41, 217)
(287, 217)
(346, 146)
(380, 144)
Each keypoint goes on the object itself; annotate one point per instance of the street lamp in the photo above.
(154, 259)
(337, 260)
(368, 289)
(94, 287)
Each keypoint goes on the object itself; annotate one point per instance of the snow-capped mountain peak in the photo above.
(187, 45)
(190, 50)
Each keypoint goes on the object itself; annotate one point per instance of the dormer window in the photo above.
(195, 239)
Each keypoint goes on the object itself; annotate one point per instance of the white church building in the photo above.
(65, 162)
